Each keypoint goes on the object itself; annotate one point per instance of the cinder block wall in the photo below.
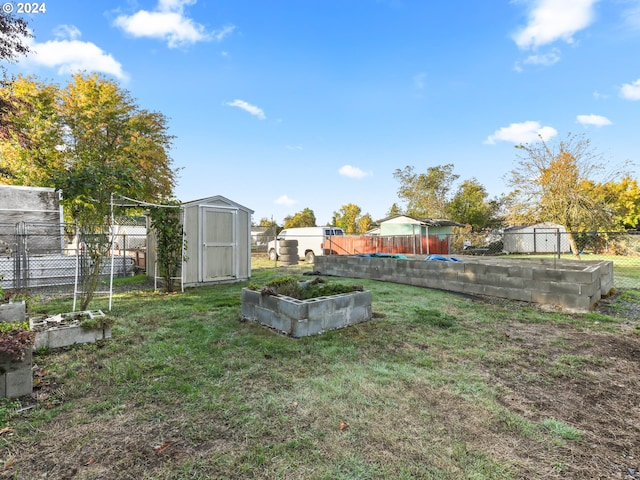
(572, 285)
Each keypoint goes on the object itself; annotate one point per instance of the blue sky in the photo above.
(282, 105)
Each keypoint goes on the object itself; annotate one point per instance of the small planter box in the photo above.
(65, 329)
(15, 376)
(300, 318)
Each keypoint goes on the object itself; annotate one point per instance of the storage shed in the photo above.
(218, 237)
(538, 238)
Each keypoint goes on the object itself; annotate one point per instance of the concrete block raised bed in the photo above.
(66, 329)
(300, 318)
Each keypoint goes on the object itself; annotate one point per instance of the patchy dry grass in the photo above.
(436, 386)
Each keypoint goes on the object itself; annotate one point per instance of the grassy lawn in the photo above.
(435, 386)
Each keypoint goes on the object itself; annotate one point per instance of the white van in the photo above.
(312, 241)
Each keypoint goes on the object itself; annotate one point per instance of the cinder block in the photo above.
(13, 312)
(16, 378)
(521, 272)
(294, 308)
(273, 320)
(545, 298)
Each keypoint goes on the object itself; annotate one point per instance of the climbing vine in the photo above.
(166, 222)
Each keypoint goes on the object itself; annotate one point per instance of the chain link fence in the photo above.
(623, 248)
(54, 256)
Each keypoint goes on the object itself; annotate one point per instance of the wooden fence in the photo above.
(400, 244)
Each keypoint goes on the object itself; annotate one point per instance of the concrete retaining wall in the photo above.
(300, 318)
(570, 284)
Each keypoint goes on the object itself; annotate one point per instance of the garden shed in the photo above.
(218, 238)
(538, 238)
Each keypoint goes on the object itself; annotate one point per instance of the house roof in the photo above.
(429, 222)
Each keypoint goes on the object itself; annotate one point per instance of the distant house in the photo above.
(408, 225)
(538, 238)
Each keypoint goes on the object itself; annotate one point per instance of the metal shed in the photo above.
(218, 236)
(538, 238)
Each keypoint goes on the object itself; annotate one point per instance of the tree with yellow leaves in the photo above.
(88, 140)
(564, 184)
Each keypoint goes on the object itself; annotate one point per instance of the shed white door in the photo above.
(219, 244)
(545, 240)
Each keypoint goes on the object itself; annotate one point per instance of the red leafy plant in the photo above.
(16, 339)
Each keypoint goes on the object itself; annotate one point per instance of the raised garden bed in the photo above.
(308, 316)
(71, 328)
(15, 351)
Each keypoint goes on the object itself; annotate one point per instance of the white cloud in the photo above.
(551, 20)
(352, 172)
(227, 30)
(595, 120)
(632, 16)
(285, 200)
(168, 22)
(631, 91)
(419, 80)
(293, 147)
(525, 132)
(69, 54)
(247, 107)
(70, 32)
(545, 59)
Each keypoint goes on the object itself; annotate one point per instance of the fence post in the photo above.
(125, 272)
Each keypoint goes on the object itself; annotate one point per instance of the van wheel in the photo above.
(273, 256)
(310, 257)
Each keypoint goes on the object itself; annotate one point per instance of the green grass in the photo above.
(236, 400)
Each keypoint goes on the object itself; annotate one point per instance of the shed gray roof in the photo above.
(216, 199)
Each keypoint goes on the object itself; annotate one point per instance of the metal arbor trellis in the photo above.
(133, 203)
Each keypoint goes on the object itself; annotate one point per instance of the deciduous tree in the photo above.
(471, 205)
(555, 183)
(349, 218)
(426, 194)
(305, 218)
(13, 36)
(89, 140)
